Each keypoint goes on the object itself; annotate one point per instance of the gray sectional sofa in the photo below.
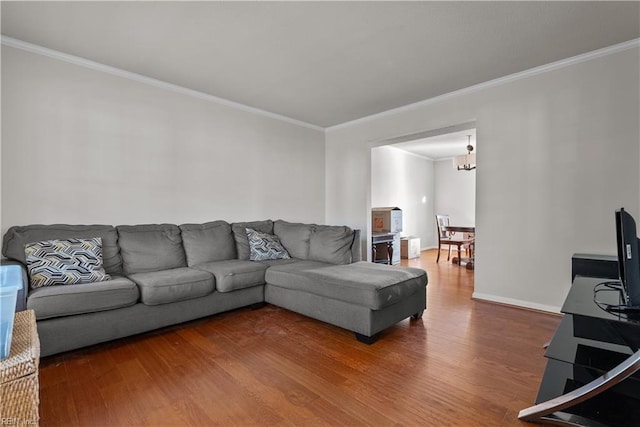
(164, 274)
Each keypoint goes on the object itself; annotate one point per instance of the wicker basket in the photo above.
(19, 374)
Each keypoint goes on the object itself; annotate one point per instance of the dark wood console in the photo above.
(382, 247)
(592, 376)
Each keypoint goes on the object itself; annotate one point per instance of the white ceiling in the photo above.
(323, 63)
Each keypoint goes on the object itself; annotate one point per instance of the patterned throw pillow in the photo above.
(65, 262)
(263, 246)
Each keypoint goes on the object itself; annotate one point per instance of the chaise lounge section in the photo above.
(165, 274)
(362, 297)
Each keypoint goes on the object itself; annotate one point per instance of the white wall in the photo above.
(406, 181)
(455, 193)
(81, 146)
(560, 151)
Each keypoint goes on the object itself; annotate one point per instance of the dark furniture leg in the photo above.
(390, 251)
(418, 315)
(367, 340)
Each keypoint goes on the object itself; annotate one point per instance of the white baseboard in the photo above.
(517, 303)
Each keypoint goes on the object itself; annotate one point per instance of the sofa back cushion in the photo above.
(151, 247)
(17, 237)
(240, 235)
(208, 242)
(331, 244)
(294, 237)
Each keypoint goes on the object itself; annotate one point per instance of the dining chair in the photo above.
(471, 247)
(448, 238)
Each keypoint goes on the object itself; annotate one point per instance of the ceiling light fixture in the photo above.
(466, 162)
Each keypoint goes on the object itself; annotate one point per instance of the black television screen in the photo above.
(628, 257)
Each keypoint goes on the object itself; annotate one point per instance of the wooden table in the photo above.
(385, 240)
(19, 373)
(470, 262)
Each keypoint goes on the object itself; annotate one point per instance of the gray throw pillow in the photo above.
(240, 235)
(65, 262)
(264, 246)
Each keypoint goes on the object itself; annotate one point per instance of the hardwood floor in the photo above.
(464, 363)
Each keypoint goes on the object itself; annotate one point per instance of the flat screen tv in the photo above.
(628, 258)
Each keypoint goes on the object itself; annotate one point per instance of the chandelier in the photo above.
(466, 162)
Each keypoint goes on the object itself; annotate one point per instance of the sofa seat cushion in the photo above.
(290, 274)
(235, 274)
(177, 284)
(274, 262)
(58, 301)
(363, 283)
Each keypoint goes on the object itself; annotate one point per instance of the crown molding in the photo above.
(40, 50)
(609, 50)
(96, 66)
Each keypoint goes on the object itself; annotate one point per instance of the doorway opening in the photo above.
(417, 174)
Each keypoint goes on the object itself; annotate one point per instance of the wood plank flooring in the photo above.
(464, 363)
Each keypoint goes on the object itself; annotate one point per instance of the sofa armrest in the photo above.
(356, 247)
(21, 301)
